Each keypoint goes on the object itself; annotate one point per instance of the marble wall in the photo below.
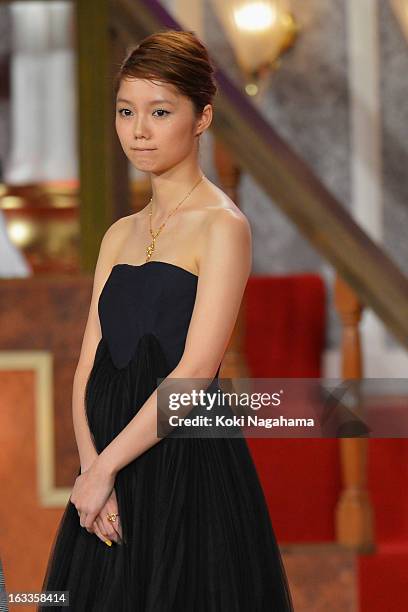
(394, 107)
(394, 98)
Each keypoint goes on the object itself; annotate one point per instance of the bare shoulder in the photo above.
(118, 229)
(230, 219)
(229, 228)
(225, 219)
(115, 235)
(225, 235)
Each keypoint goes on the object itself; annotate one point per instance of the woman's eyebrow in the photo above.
(157, 101)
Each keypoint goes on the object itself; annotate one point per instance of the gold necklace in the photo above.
(150, 248)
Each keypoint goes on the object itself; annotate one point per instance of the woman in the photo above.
(159, 523)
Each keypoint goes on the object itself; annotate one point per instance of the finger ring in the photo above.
(111, 516)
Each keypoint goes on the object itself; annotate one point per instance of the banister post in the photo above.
(354, 513)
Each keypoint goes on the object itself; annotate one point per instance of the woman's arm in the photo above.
(86, 449)
(224, 269)
(109, 247)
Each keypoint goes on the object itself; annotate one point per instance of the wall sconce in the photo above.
(259, 31)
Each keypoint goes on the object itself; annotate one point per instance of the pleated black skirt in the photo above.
(197, 536)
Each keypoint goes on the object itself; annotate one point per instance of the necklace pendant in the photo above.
(150, 250)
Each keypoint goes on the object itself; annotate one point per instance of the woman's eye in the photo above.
(161, 110)
(125, 112)
(120, 111)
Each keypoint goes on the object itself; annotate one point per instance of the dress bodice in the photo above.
(155, 297)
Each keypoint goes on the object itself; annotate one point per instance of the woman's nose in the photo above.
(140, 129)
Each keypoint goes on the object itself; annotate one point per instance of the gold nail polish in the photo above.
(108, 542)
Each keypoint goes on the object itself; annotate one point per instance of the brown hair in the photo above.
(175, 57)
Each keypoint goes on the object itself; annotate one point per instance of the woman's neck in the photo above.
(168, 192)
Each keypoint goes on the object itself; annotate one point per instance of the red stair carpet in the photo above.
(383, 576)
(285, 319)
(285, 324)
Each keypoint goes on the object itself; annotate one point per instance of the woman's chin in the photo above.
(143, 166)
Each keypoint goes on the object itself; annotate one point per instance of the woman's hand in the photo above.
(104, 529)
(91, 491)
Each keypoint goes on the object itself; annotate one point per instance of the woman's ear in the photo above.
(204, 120)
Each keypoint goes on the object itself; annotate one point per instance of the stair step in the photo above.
(383, 578)
(322, 577)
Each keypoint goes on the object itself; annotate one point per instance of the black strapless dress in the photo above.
(196, 529)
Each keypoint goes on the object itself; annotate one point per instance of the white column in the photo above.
(366, 170)
(29, 27)
(60, 96)
(363, 47)
(43, 112)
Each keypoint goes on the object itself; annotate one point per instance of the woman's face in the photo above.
(155, 124)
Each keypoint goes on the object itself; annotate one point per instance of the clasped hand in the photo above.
(94, 497)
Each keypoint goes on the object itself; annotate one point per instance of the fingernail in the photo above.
(108, 542)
